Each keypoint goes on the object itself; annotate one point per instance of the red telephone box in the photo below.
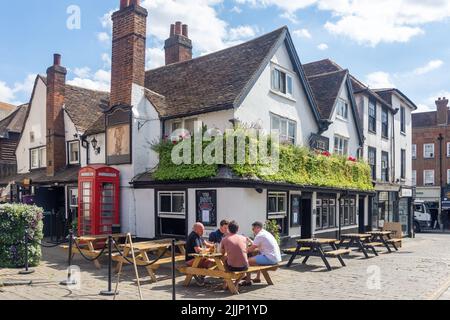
(98, 200)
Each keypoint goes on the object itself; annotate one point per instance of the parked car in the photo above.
(422, 216)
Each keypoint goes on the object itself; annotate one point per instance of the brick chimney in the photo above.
(56, 89)
(178, 47)
(442, 111)
(128, 50)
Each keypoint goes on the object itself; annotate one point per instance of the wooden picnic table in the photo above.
(142, 251)
(384, 238)
(315, 248)
(219, 271)
(360, 241)
(90, 245)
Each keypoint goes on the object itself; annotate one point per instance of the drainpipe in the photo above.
(441, 182)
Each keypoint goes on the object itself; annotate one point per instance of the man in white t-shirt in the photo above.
(269, 253)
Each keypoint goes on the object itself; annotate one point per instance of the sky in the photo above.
(384, 43)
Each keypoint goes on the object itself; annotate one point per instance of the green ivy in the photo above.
(15, 219)
(297, 165)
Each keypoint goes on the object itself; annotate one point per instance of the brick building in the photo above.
(431, 156)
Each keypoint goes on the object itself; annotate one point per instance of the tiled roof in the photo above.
(387, 95)
(67, 175)
(326, 89)
(425, 119)
(15, 121)
(212, 82)
(320, 67)
(84, 107)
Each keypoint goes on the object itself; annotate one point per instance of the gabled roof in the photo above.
(15, 121)
(386, 94)
(326, 88)
(85, 107)
(220, 80)
(327, 65)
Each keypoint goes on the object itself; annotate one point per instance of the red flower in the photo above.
(352, 159)
(326, 154)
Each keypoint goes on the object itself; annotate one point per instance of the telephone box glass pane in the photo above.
(107, 208)
(85, 210)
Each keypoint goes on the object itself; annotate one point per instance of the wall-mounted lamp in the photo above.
(95, 146)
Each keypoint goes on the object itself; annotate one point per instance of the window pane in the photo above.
(165, 203)
(272, 204)
(289, 85)
(178, 203)
(275, 123)
(281, 204)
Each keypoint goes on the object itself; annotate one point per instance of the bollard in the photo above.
(109, 292)
(174, 296)
(27, 270)
(69, 280)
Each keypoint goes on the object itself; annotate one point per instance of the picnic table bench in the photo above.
(219, 271)
(91, 246)
(316, 248)
(360, 241)
(384, 239)
(142, 251)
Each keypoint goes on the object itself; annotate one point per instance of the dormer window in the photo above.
(282, 82)
(74, 152)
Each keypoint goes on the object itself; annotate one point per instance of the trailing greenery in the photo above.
(273, 227)
(15, 219)
(297, 165)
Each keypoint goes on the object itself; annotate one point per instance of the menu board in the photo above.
(295, 210)
(206, 207)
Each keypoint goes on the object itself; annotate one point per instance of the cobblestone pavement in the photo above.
(420, 270)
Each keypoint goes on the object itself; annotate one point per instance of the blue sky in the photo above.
(402, 43)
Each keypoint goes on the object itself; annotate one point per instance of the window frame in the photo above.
(343, 145)
(414, 178)
(402, 119)
(171, 214)
(69, 152)
(448, 149)
(284, 137)
(342, 106)
(282, 81)
(403, 164)
(372, 119)
(384, 123)
(414, 151)
(425, 177)
(277, 214)
(331, 212)
(348, 209)
(374, 164)
(385, 171)
(425, 151)
(41, 151)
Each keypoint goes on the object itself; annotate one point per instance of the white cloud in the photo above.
(292, 17)
(98, 80)
(379, 80)
(103, 37)
(82, 72)
(430, 66)
(106, 58)
(241, 32)
(19, 92)
(370, 22)
(429, 104)
(302, 33)
(155, 58)
(322, 46)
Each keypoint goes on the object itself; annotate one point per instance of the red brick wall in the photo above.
(423, 136)
(128, 52)
(178, 47)
(56, 145)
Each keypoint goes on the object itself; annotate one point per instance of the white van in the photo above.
(422, 216)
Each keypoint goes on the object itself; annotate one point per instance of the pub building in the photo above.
(257, 83)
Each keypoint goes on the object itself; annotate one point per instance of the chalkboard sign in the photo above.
(295, 211)
(206, 204)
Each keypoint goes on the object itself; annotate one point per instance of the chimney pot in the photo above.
(124, 4)
(172, 30)
(178, 28)
(56, 59)
(135, 2)
(185, 30)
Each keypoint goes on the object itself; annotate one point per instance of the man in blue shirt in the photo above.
(217, 236)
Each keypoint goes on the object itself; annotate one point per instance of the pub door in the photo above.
(362, 213)
(306, 219)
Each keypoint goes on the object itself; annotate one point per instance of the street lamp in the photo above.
(94, 143)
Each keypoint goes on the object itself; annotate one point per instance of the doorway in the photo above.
(306, 216)
(52, 200)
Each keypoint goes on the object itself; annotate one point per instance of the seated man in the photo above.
(217, 236)
(269, 251)
(195, 244)
(234, 247)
